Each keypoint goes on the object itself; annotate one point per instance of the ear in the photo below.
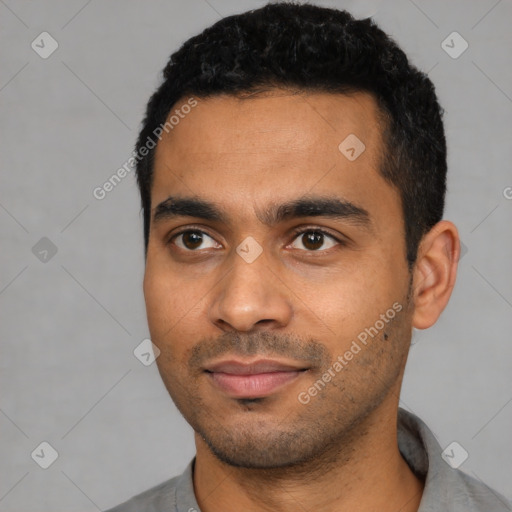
(434, 273)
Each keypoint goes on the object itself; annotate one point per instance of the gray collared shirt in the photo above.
(446, 489)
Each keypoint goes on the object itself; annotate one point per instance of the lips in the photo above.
(256, 379)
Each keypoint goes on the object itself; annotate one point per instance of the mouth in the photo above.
(255, 379)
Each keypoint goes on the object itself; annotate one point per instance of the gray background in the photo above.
(70, 324)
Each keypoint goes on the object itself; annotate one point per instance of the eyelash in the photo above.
(296, 233)
(301, 231)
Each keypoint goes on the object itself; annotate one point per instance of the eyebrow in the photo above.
(310, 206)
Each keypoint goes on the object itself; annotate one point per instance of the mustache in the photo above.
(264, 344)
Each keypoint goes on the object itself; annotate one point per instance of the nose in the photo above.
(251, 297)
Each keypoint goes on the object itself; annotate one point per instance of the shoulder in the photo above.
(474, 495)
(446, 486)
(157, 498)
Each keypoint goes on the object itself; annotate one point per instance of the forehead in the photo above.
(277, 145)
(276, 121)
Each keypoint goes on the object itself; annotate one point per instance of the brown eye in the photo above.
(190, 240)
(313, 240)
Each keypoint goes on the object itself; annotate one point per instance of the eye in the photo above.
(311, 240)
(192, 239)
(314, 239)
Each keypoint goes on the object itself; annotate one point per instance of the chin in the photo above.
(261, 450)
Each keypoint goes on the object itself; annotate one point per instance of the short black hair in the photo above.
(315, 49)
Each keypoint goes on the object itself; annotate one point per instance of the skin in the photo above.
(299, 302)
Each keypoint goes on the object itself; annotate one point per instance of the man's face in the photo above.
(251, 316)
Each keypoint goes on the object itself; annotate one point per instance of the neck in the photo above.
(364, 471)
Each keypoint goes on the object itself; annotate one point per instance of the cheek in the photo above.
(174, 309)
(166, 303)
(158, 299)
(355, 301)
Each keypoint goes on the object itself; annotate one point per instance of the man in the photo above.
(293, 206)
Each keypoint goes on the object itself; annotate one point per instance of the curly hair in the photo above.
(315, 49)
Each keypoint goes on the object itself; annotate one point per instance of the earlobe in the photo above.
(434, 273)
